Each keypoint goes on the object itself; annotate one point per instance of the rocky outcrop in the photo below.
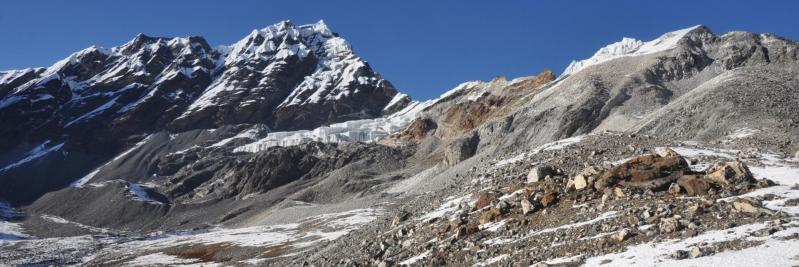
(461, 149)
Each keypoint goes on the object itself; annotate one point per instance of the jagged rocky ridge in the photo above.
(62, 121)
(689, 88)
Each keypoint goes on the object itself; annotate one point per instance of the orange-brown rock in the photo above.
(471, 228)
(646, 171)
(548, 199)
(532, 83)
(468, 115)
(419, 129)
(465, 116)
(483, 201)
(693, 185)
(490, 215)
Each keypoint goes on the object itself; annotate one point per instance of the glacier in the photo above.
(366, 131)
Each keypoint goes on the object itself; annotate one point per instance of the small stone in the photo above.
(669, 225)
(646, 214)
(689, 233)
(696, 252)
(490, 215)
(527, 206)
(548, 200)
(679, 255)
(483, 201)
(503, 206)
(604, 199)
(666, 152)
(580, 182)
(693, 185)
(618, 192)
(538, 173)
(744, 206)
(674, 189)
(622, 235)
(693, 209)
(400, 217)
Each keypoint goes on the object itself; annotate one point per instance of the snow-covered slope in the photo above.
(629, 47)
(278, 73)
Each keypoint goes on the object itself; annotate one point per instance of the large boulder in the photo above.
(538, 173)
(650, 171)
(693, 185)
(484, 200)
(730, 173)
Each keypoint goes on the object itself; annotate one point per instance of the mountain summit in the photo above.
(97, 102)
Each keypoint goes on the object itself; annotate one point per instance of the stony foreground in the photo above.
(687, 205)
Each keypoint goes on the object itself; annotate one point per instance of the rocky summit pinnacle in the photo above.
(287, 149)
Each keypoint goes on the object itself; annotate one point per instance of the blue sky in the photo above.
(423, 47)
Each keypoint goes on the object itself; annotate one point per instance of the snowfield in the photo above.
(153, 248)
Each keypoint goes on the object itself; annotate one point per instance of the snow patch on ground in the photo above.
(699, 152)
(85, 179)
(291, 237)
(447, 208)
(34, 154)
(139, 193)
(492, 226)
(556, 145)
(60, 220)
(159, 259)
(415, 259)
(9, 230)
(251, 134)
(492, 260)
(601, 217)
(564, 260)
(743, 133)
(773, 252)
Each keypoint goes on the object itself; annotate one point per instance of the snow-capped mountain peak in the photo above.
(630, 47)
(262, 70)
